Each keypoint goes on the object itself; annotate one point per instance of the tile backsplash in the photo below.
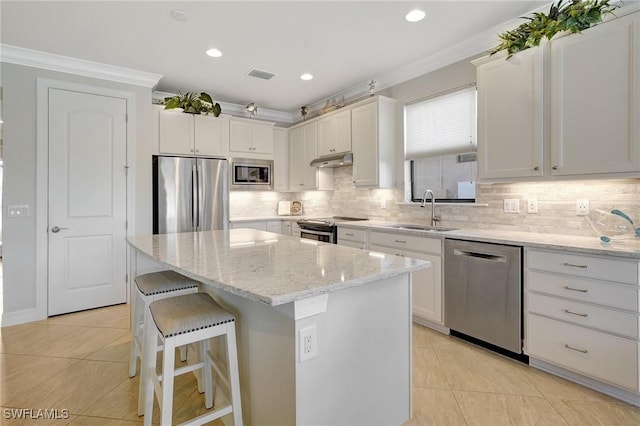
(556, 204)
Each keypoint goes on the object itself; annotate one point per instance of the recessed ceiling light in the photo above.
(179, 14)
(415, 15)
(306, 76)
(214, 53)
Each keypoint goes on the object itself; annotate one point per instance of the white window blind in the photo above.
(441, 125)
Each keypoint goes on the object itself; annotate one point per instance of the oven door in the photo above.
(316, 235)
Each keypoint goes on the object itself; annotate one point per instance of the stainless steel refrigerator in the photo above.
(189, 194)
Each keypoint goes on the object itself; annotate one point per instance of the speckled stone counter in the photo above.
(590, 245)
(269, 268)
(356, 305)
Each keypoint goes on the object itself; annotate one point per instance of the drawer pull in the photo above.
(346, 233)
(400, 241)
(575, 266)
(584, 351)
(575, 313)
(576, 289)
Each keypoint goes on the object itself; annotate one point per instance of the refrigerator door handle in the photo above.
(194, 198)
(199, 196)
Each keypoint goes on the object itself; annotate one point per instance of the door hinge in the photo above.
(126, 170)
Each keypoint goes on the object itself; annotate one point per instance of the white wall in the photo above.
(19, 151)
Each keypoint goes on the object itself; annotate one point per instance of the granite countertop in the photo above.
(270, 268)
(589, 245)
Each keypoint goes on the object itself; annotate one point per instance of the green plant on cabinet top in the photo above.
(193, 103)
(575, 16)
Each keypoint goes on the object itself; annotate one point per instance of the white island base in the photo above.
(361, 374)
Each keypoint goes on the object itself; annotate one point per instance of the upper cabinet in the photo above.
(568, 108)
(334, 134)
(594, 88)
(303, 148)
(280, 159)
(373, 131)
(192, 134)
(250, 138)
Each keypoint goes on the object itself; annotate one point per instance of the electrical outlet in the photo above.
(383, 203)
(308, 337)
(532, 205)
(511, 205)
(582, 207)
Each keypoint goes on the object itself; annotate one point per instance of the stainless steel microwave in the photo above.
(251, 174)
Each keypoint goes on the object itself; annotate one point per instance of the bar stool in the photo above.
(150, 287)
(183, 320)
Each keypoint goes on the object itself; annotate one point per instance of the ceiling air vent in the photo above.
(265, 75)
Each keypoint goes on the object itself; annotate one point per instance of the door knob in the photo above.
(56, 229)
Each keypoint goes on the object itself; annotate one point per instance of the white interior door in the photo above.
(87, 201)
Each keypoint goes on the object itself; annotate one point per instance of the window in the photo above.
(440, 144)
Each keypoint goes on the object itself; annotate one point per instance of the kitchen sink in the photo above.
(422, 228)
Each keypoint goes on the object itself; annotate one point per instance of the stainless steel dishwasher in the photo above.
(483, 292)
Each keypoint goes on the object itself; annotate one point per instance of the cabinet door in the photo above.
(176, 133)
(286, 227)
(334, 134)
(343, 131)
(364, 142)
(280, 159)
(309, 174)
(209, 136)
(595, 99)
(295, 230)
(240, 137)
(296, 159)
(427, 288)
(262, 138)
(326, 136)
(510, 116)
(274, 226)
(354, 244)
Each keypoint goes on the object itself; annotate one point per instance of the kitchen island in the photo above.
(356, 305)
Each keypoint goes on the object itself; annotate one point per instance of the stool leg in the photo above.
(183, 353)
(168, 370)
(133, 357)
(147, 369)
(205, 349)
(234, 377)
(135, 333)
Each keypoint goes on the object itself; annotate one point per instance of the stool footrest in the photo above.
(208, 417)
(188, 368)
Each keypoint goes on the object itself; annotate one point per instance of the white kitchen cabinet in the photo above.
(352, 237)
(193, 134)
(260, 225)
(250, 138)
(570, 107)
(373, 132)
(426, 283)
(582, 317)
(510, 115)
(334, 133)
(280, 159)
(303, 141)
(295, 230)
(286, 227)
(595, 99)
(274, 226)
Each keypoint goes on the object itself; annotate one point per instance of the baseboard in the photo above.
(616, 392)
(432, 325)
(20, 317)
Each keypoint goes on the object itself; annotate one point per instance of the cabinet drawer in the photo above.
(407, 242)
(582, 314)
(583, 289)
(354, 244)
(605, 357)
(624, 271)
(358, 235)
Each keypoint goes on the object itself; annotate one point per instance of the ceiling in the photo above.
(342, 43)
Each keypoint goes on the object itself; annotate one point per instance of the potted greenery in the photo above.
(574, 16)
(193, 103)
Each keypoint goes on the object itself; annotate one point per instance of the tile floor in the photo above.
(79, 362)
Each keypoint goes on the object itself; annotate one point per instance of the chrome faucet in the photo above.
(434, 218)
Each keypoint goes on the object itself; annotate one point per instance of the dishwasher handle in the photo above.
(480, 255)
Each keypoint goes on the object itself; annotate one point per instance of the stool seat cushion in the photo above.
(163, 282)
(187, 313)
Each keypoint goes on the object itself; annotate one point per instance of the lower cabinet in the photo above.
(352, 237)
(582, 316)
(276, 226)
(427, 283)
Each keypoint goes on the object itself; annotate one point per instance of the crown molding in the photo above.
(49, 61)
(239, 110)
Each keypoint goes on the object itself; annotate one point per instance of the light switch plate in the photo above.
(511, 205)
(18, 211)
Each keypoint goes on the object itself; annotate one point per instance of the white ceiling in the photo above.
(342, 43)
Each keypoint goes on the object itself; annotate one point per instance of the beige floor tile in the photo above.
(97, 421)
(110, 317)
(32, 339)
(480, 408)
(582, 413)
(435, 407)
(420, 337)
(558, 388)
(194, 407)
(11, 417)
(19, 373)
(427, 371)
(117, 351)
(82, 342)
(473, 369)
(438, 339)
(76, 388)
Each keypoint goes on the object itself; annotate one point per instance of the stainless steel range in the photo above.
(323, 228)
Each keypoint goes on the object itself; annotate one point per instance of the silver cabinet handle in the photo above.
(346, 233)
(575, 266)
(555, 168)
(576, 289)
(536, 168)
(57, 229)
(584, 351)
(575, 313)
(401, 242)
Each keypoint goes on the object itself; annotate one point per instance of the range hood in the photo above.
(338, 160)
